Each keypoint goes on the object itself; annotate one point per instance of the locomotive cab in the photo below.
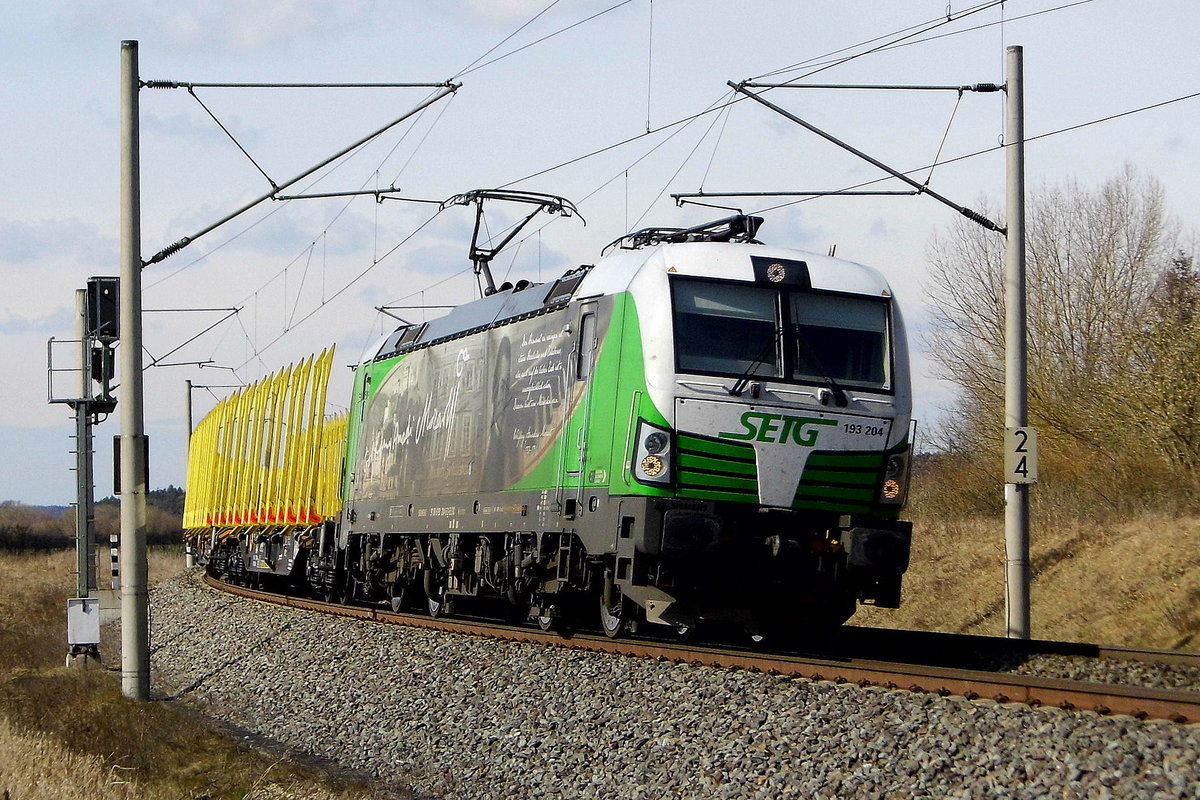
(775, 469)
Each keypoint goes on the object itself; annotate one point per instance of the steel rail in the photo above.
(1024, 647)
(1140, 702)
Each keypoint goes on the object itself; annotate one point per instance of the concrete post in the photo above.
(1016, 408)
(135, 611)
(189, 554)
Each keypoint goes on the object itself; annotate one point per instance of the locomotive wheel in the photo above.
(399, 595)
(614, 621)
(435, 594)
(545, 622)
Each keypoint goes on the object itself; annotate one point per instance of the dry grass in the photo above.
(35, 766)
(1134, 583)
(70, 732)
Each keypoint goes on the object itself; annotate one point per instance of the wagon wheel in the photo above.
(545, 622)
(435, 593)
(335, 591)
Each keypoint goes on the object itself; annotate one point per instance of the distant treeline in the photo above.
(25, 527)
(169, 500)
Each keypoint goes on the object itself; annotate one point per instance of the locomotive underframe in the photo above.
(668, 561)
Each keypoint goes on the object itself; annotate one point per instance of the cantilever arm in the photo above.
(970, 214)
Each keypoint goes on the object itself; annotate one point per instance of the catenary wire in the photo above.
(625, 170)
(712, 123)
(476, 66)
(544, 38)
(923, 28)
(925, 40)
(500, 43)
(258, 353)
(903, 33)
(995, 148)
(470, 68)
(718, 106)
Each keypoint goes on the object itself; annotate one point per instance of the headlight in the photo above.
(657, 442)
(653, 466)
(894, 490)
(652, 454)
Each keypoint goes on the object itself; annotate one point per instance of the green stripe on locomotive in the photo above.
(845, 483)
(713, 469)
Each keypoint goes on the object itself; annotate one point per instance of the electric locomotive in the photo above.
(698, 428)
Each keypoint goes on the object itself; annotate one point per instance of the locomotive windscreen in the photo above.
(726, 328)
(802, 336)
(840, 337)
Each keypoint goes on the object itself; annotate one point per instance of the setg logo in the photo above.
(779, 428)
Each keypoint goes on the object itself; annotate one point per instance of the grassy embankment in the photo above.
(1118, 570)
(70, 732)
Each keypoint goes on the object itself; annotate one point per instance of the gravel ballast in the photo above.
(444, 715)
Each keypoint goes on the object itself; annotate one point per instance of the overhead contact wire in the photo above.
(718, 105)
(346, 286)
(903, 33)
(544, 38)
(712, 123)
(470, 67)
(985, 151)
(913, 42)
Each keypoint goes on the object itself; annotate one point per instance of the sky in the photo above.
(613, 105)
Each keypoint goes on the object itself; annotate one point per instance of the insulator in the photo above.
(975, 216)
(169, 251)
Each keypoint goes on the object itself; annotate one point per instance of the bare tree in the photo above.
(1114, 353)
(1166, 399)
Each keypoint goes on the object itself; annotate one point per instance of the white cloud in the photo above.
(23, 242)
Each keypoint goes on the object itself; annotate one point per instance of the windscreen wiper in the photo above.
(839, 394)
(740, 384)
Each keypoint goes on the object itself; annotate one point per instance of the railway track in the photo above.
(971, 683)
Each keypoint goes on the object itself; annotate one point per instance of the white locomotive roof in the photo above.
(508, 303)
(729, 261)
(614, 273)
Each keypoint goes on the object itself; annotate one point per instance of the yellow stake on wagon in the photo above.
(266, 456)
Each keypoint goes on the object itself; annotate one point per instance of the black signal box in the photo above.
(103, 308)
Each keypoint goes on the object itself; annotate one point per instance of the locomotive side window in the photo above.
(840, 337)
(726, 328)
(587, 347)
